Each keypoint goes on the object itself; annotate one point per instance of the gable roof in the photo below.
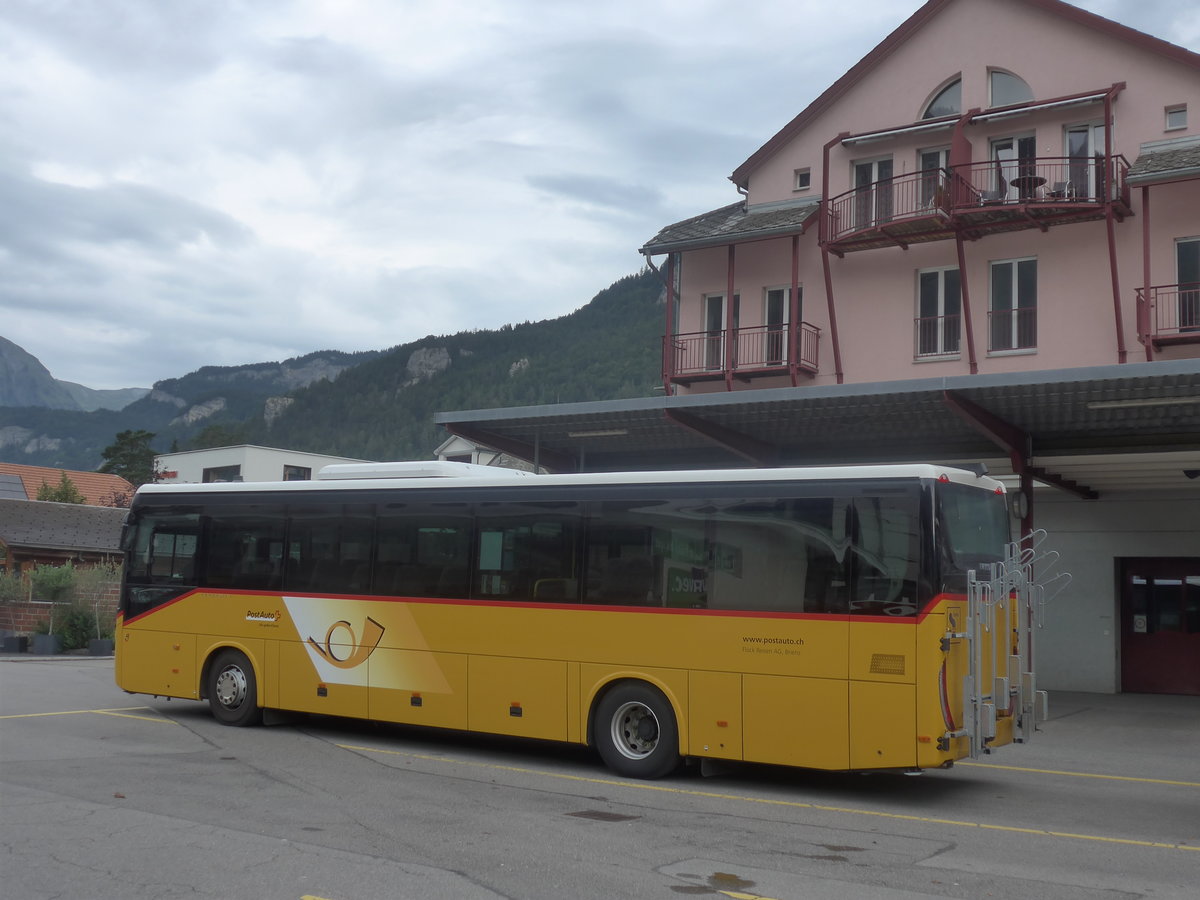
(60, 526)
(1163, 165)
(96, 487)
(914, 23)
(729, 223)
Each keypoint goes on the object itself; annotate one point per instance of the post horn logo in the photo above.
(333, 651)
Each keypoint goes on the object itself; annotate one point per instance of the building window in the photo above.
(947, 102)
(939, 312)
(933, 164)
(1007, 89)
(1187, 270)
(714, 328)
(297, 473)
(872, 192)
(1012, 314)
(221, 473)
(803, 179)
(1014, 157)
(776, 314)
(1176, 117)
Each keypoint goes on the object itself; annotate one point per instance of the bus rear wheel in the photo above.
(635, 731)
(233, 690)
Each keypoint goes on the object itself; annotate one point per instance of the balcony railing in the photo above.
(996, 195)
(1042, 181)
(758, 349)
(938, 335)
(912, 196)
(1171, 313)
(1012, 329)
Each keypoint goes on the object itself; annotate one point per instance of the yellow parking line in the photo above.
(795, 804)
(121, 715)
(1082, 774)
(118, 711)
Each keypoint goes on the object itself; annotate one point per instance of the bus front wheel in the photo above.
(233, 690)
(636, 733)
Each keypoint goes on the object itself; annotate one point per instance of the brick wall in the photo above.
(24, 618)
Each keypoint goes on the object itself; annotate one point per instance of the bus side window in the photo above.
(165, 549)
(246, 551)
(527, 557)
(444, 556)
(329, 551)
(621, 559)
(756, 563)
(886, 556)
(819, 551)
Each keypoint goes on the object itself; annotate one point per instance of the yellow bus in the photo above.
(840, 618)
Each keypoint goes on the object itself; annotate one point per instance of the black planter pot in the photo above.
(47, 644)
(16, 644)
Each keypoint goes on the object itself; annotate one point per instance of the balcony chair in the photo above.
(997, 196)
(1061, 190)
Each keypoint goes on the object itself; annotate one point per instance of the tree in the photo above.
(116, 499)
(130, 457)
(63, 492)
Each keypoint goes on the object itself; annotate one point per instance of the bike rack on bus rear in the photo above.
(1006, 594)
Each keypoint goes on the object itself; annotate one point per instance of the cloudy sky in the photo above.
(202, 182)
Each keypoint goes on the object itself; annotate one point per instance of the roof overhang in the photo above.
(1056, 419)
(1021, 109)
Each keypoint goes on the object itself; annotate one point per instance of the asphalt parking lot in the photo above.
(107, 795)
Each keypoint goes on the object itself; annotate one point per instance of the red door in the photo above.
(1160, 626)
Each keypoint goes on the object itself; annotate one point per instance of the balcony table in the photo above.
(1027, 185)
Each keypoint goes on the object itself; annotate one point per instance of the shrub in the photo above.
(53, 583)
(76, 627)
(13, 588)
(91, 584)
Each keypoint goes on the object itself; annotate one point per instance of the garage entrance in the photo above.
(1160, 626)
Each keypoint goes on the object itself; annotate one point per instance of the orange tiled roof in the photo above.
(96, 487)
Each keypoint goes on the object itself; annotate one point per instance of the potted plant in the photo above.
(45, 641)
(13, 589)
(50, 584)
(91, 584)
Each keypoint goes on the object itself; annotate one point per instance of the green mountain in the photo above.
(175, 409)
(383, 409)
(372, 405)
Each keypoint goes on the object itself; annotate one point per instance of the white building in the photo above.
(243, 462)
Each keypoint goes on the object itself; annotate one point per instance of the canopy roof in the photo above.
(1105, 428)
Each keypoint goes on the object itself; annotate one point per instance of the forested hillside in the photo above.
(383, 409)
(175, 410)
(372, 405)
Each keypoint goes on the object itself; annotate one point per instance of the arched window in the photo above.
(1008, 89)
(948, 101)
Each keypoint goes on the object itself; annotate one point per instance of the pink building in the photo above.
(1001, 185)
(980, 244)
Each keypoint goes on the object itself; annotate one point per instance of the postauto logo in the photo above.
(339, 656)
(340, 639)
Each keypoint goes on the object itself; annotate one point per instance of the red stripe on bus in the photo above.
(594, 607)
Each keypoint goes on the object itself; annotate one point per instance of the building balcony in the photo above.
(1012, 329)
(755, 352)
(937, 336)
(975, 200)
(1170, 314)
